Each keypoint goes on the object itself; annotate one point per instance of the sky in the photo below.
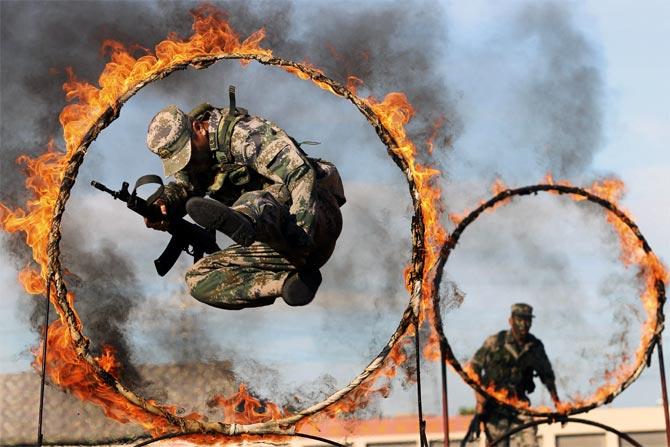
(576, 88)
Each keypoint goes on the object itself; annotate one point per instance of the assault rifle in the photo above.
(186, 236)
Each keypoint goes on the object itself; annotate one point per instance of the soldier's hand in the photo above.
(160, 225)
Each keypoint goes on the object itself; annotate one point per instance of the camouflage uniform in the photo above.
(502, 363)
(262, 173)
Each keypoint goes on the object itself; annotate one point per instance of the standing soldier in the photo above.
(280, 207)
(507, 362)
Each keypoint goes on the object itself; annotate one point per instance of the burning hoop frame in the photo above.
(64, 302)
(654, 273)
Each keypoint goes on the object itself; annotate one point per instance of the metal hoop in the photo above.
(80, 343)
(498, 199)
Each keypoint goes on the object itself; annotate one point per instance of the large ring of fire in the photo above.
(636, 251)
(388, 118)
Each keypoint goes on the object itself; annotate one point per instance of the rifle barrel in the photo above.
(103, 188)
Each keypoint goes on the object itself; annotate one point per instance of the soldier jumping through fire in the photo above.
(507, 361)
(280, 207)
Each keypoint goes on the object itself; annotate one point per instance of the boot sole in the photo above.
(215, 215)
(300, 288)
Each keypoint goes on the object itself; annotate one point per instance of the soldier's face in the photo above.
(520, 326)
(201, 157)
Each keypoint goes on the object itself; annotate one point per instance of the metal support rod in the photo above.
(445, 396)
(44, 363)
(422, 423)
(664, 389)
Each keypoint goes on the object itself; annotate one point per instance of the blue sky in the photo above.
(340, 332)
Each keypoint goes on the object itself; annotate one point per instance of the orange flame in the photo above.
(497, 187)
(353, 83)
(650, 270)
(67, 370)
(243, 408)
(437, 125)
(378, 385)
(396, 112)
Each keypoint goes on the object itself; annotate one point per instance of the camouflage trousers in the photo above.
(238, 277)
(498, 426)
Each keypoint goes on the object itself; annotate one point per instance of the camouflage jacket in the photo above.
(259, 155)
(503, 364)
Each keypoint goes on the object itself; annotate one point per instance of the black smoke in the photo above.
(563, 99)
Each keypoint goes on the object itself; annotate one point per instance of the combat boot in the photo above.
(214, 215)
(301, 286)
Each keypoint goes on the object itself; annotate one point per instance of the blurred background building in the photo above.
(68, 421)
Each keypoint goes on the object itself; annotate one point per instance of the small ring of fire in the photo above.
(650, 267)
(162, 418)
